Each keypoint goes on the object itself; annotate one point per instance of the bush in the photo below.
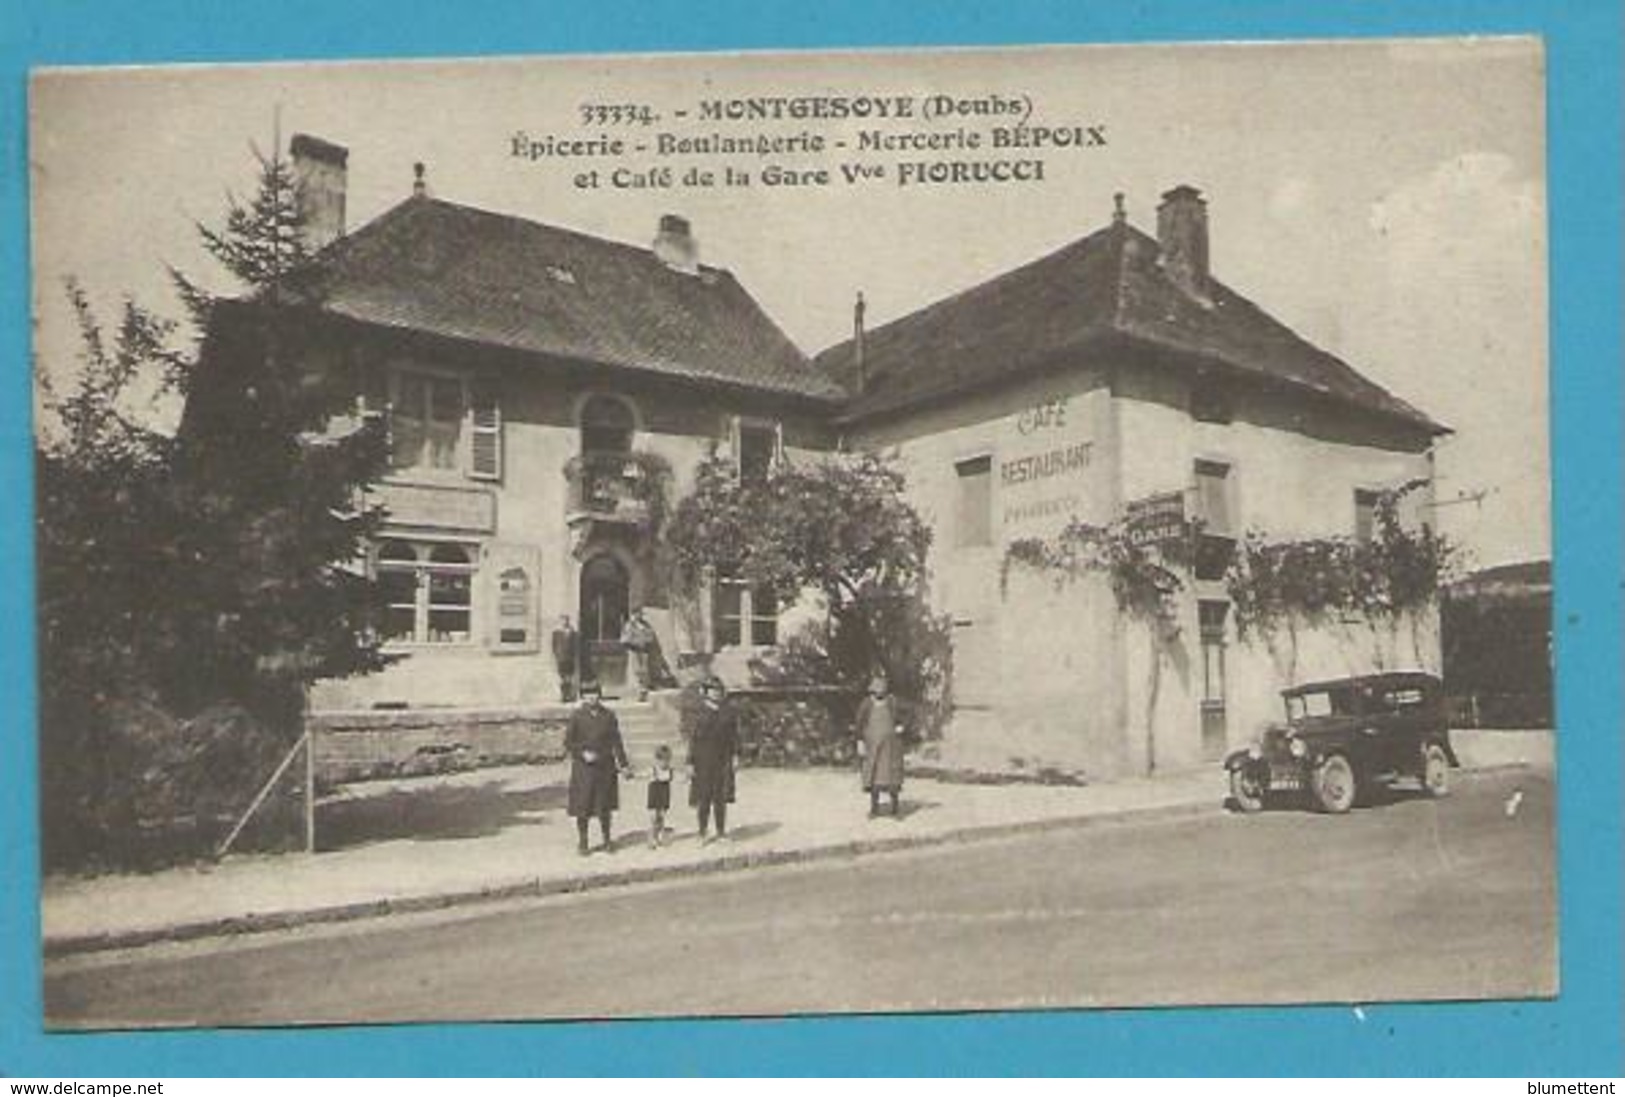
(794, 728)
(158, 789)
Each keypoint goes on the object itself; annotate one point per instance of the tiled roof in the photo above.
(1107, 286)
(467, 274)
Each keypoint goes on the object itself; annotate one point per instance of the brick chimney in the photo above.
(675, 245)
(1182, 237)
(319, 172)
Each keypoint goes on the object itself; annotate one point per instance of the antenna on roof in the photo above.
(420, 187)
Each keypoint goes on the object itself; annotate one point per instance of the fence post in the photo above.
(310, 774)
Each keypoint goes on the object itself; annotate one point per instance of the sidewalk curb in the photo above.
(536, 888)
(59, 947)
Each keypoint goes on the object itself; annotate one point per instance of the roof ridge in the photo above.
(984, 285)
(641, 250)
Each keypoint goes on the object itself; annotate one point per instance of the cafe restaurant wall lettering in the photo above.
(1032, 470)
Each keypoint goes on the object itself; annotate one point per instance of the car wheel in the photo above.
(1435, 770)
(1334, 785)
(1247, 790)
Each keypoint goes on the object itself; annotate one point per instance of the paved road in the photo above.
(1413, 899)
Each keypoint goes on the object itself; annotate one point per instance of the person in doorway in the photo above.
(597, 757)
(638, 636)
(712, 732)
(880, 745)
(566, 643)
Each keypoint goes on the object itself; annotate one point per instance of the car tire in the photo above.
(1334, 785)
(1435, 774)
(1246, 790)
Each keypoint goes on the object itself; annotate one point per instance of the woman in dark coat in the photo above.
(881, 743)
(597, 755)
(713, 743)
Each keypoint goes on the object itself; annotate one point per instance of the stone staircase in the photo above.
(648, 724)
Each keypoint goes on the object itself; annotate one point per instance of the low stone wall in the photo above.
(375, 744)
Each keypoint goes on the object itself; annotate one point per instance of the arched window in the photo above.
(428, 591)
(607, 425)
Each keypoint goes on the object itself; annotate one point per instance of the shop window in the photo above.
(1365, 515)
(973, 523)
(743, 615)
(428, 592)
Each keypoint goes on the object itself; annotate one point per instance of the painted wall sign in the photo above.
(1046, 415)
(1068, 460)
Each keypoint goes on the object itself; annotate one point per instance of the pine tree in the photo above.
(277, 497)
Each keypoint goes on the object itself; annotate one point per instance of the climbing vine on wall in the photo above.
(1276, 584)
(1145, 575)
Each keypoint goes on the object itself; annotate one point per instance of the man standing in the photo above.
(712, 732)
(639, 638)
(880, 742)
(565, 643)
(597, 756)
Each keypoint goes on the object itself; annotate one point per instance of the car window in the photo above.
(1403, 698)
(1310, 704)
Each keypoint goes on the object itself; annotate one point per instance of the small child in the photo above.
(659, 795)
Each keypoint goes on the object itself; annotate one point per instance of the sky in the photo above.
(1386, 200)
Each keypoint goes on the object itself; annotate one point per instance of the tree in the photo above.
(215, 568)
(839, 526)
(104, 510)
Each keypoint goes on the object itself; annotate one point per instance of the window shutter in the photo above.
(485, 412)
(733, 442)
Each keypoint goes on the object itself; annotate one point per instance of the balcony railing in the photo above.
(608, 486)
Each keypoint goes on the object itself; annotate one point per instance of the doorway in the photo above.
(606, 595)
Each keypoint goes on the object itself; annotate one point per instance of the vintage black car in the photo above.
(1343, 738)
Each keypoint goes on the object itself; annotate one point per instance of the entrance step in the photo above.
(645, 726)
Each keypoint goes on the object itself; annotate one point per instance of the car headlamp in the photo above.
(1297, 747)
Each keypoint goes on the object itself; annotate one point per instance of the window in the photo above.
(1365, 515)
(426, 421)
(1216, 510)
(1213, 486)
(974, 518)
(757, 446)
(1210, 617)
(1211, 401)
(743, 614)
(758, 450)
(428, 592)
(607, 425)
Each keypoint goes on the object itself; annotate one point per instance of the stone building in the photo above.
(1117, 376)
(538, 382)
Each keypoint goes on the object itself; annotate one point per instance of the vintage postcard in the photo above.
(760, 534)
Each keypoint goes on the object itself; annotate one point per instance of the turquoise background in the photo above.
(1579, 1034)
